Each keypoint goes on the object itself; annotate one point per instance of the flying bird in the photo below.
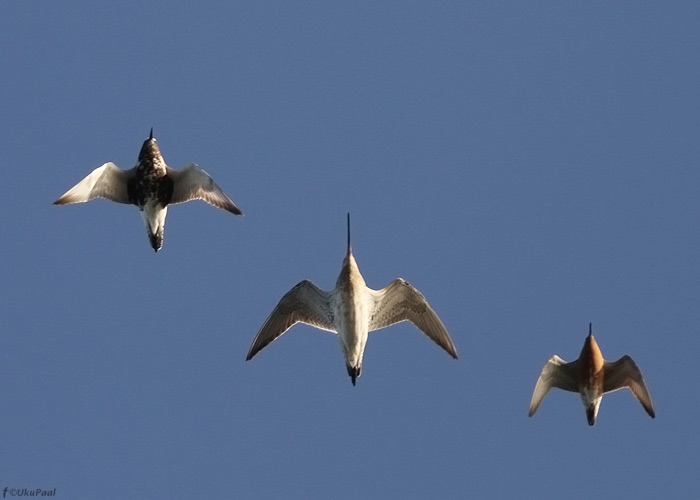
(352, 310)
(591, 376)
(151, 185)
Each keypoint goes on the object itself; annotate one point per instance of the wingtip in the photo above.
(252, 352)
(533, 407)
(650, 411)
(64, 199)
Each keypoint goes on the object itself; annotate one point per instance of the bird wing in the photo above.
(305, 303)
(193, 183)
(400, 301)
(556, 373)
(625, 373)
(107, 181)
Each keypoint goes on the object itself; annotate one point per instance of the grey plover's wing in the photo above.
(556, 373)
(193, 183)
(625, 373)
(400, 301)
(305, 303)
(107, 181)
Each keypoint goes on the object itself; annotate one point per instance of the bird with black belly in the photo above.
(151, 185)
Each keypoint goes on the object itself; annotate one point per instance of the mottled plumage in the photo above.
(151, 185)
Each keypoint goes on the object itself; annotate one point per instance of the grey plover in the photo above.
(151, 185)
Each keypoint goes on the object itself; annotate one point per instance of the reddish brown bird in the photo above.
(591, 376)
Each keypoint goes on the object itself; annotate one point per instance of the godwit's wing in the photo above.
(193, 183)
(305, 303)
(107, 181)
(556, 373)
(400, 301)
(625, 373)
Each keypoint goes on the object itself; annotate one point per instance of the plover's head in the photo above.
(150, 155)
(150, 148)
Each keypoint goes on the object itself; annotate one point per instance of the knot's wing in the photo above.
(625, 373)
(556, 373)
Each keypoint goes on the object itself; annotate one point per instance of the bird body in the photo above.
(352, 310)
(151, 185)
(591, 376)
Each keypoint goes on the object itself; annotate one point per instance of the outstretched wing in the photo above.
(305, 303)
(400, 301)
(193, 183)
(625, 373)
(556, 373)
(107, 181)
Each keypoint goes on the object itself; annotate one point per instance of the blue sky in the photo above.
(529, 167)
